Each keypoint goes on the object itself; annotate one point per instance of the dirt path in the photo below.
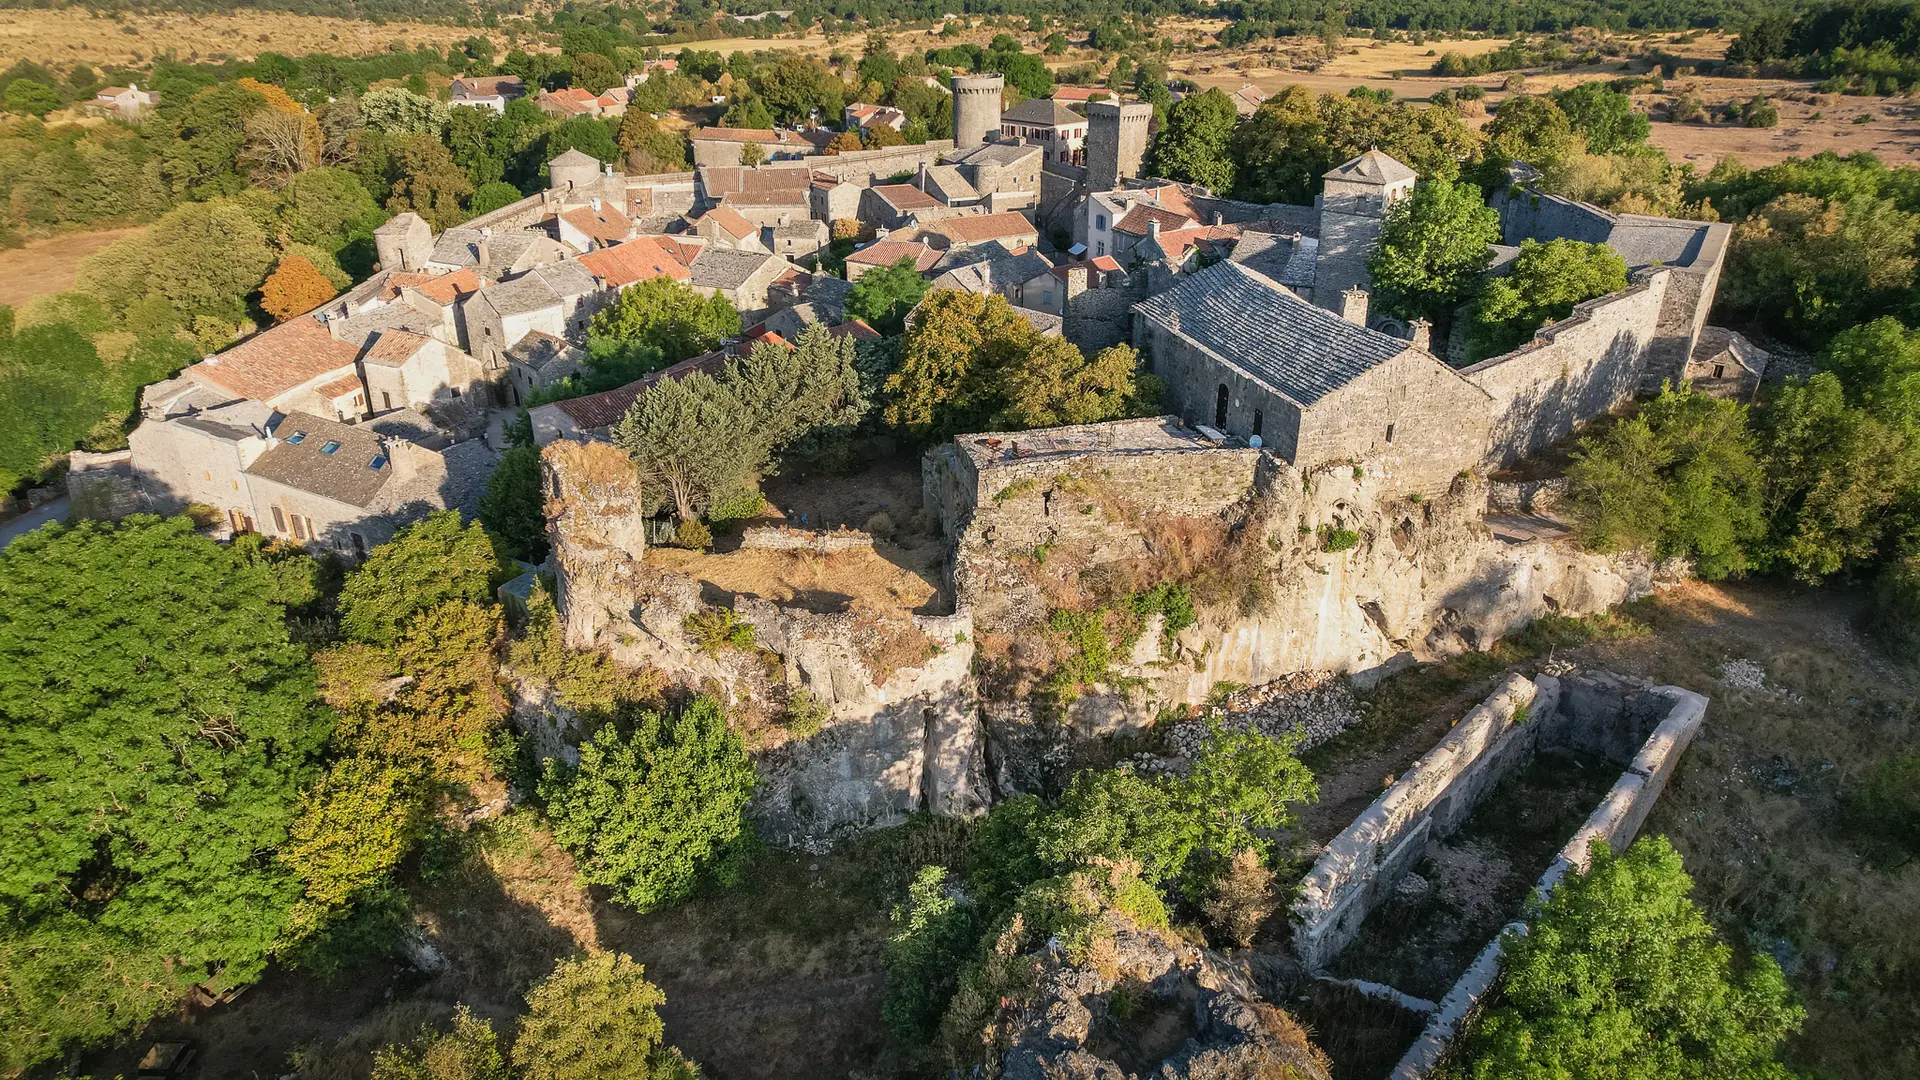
(48, 265)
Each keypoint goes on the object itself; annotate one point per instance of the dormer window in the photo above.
(379, 462)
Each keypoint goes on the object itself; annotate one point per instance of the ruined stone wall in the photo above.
(902, 733)
(1573, 371)
(1361, 866)
(1097, 318)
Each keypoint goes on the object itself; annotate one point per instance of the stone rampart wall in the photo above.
(1573, 371)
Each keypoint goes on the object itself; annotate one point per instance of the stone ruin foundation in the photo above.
(1597, 715)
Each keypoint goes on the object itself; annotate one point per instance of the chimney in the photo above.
(921, 181)
(1153, 229)
(1353, 306)
(483, 251)
(1422, 334)
(595, 203)
(1219, 219)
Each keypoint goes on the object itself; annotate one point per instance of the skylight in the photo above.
(297, 438)
(379, 462)
(329, 446)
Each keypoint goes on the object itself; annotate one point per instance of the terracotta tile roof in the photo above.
(888, 252)
(448, 288)
(1107, 263)
(607, 225)
(731, 222)
(1176, 242)
(1082, 93)
(684, 248)
(395, 347)
(768, 185)
(399, 279)
(275, 361)
(905, 197)
(857, 329)
(980, 228)
(1170, 197)
(639, 259)
(340, 387)
(607, 408)
(1137, 219)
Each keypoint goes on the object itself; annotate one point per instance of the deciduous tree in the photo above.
(883, 296)
(1194, 144)
(295, 286)
(426, 564)
(1544, 284)
(661, 314)
(1432, 249)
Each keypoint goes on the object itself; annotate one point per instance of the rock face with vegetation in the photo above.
(1150, 1004)
(856, 718)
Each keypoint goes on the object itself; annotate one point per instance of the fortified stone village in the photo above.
(914, 609)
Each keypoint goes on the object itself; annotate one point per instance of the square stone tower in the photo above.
(1116, 142)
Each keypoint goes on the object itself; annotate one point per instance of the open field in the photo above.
(48, 265)
(71, 35)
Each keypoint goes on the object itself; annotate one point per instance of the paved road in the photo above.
(33, 519)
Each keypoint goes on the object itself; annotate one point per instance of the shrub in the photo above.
(1332, 539)
(652, 811)
(1888, 800)
(933, 933)
(715, 628)
(469, 1052)
(596, 1017)
(693, 535)
(805, 715)
(1242, 899)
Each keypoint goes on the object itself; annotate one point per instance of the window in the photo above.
(1100, 221)
(1389, 432)
(299, 528)
(359, 400)
(297, 438)
(359, 544)
(1719, 371)
(1220, 408)
(454, 390)
(379, 462)
(386, 400)
(331, 446)
(279, 521)
(1256, 421)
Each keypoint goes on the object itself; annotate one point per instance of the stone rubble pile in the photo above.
(1743, 675)
(1317, 704)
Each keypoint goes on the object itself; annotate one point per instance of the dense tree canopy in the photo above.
(1620, 976)
(1543, 285)
(1291, 141)
(1432, 249)
(596, 1017)
(1194, 146)
(156, 723)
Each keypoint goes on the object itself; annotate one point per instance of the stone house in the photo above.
(722, 146)
(296, 365)
(887, 253)
(596, 225)
(538, 361)
(1240, 353)
(494, 253)
(798, 239)
(892, 206)
(1725, 364)
(860, 117)
(1003, 176)
(488, 91)
(725, 227)
(947, 184)
(1022, 275)
(1060, 132)
(1008, 229)
(743, 277)
(126, 101)
(405, 370)
(558, 299)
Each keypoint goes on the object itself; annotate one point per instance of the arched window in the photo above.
(1220, 408)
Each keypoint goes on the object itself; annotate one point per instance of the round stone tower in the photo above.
(976, 109)
(573, 171)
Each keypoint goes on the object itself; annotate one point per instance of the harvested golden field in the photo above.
(48, 265)
(74, 35)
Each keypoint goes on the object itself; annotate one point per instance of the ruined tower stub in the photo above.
(1116, 142)
(404, 243)
(976, 108)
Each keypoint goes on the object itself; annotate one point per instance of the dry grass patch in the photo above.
(825, 583)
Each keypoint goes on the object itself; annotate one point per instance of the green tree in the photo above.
(1432, 249)
(1620, 976)
(1604, 115)
(1834, 473)
(354, 827)
(155, 724)
(883, 296)
(470, 1051)
(1051, 382)
(52, 395)
(940, 388)
(397, 111)
(1296, 136)
(514, 507)
(1530, 129)
(1544, 284)
(426, 564)
(596, 1017)
(661, 314)
(587, 134)
(1807, 267)
(1680, 477)
(651, 811)
(30, 97)
(492, 196)
(649, 147)
(594, 73)
(202, 159)
(1879, 365)
(1194, 144)
(933, 937)
(799, 393)
(692, 438)
(426, 180)
(796, 86)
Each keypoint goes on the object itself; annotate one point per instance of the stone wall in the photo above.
(1616, 821)
(865, 167)
(1097, 318)
(1412, 417)
(900, 737)
(1575, 370)
(1361, 866)
(103, 487)
(781, 538)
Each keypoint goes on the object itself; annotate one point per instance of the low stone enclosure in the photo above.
(1596, 714)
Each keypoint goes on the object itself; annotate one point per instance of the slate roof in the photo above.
(479, 86)
(539, 350)
(1047, 323)
(995, 154)
(540, 288)
(1045, 111)
(1372, 167)
(725, 268)
(344, 476)
(575, 157)
(1287, 259)
(275, 361)
(505, 249)
(1643, 241)
(952, 184)
(1011, 268)
(1247, 320)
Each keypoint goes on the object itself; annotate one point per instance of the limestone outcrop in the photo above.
(896, 726)
(1152, 1005)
